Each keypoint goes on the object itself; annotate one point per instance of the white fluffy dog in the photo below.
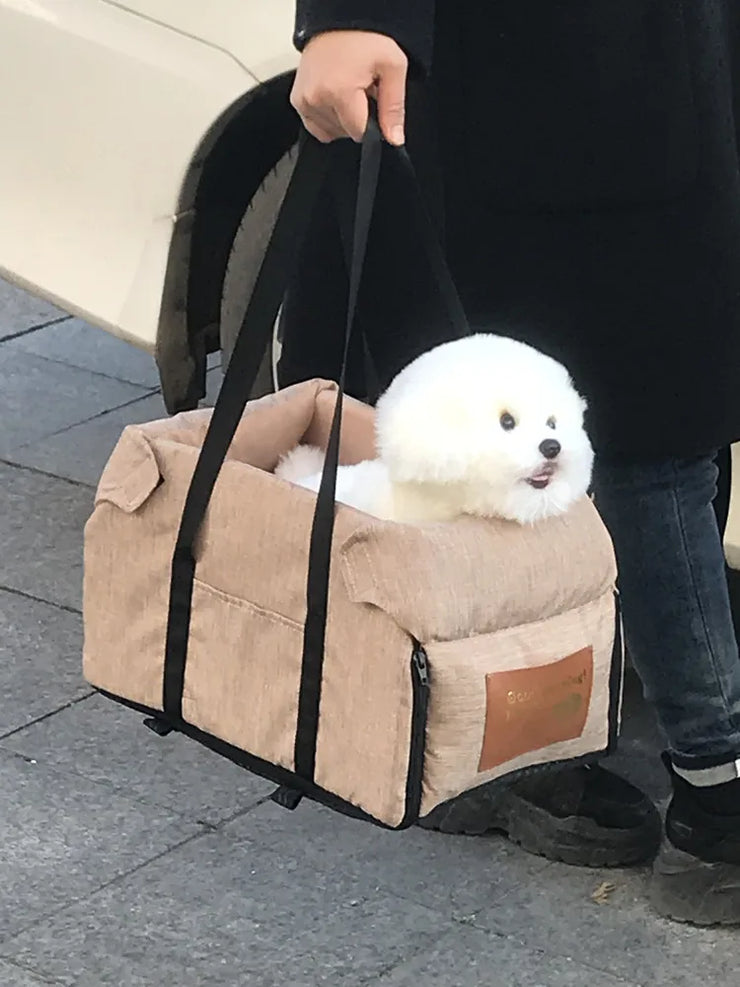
(483, 425)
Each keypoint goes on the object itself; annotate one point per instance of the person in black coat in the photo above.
(581, 160)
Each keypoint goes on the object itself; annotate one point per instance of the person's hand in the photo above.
(337, 73)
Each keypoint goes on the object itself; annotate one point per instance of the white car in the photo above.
(144, 149)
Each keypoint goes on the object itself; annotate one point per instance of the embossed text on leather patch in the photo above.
(530, 708)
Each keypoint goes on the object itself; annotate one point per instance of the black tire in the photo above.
(245, 257)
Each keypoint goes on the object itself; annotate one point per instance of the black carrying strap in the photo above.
(322, 531)
(254, 335)
(456, 317)
(253, 338)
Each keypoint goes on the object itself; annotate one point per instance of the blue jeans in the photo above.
(676, 606)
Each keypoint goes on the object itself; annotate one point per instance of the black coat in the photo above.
(592, 199)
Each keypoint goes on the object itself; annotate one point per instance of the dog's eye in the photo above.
(552, 422)
(507, 421)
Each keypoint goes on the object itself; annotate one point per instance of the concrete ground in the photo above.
(128, 860)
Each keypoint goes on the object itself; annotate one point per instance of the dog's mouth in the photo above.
(542, 477)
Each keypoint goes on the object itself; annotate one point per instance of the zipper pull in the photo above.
(421, 666)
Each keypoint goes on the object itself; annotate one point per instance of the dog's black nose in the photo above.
(550, 448)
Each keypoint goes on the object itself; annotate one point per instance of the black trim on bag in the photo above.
(292, 788)
(296, 786)
(293, 785)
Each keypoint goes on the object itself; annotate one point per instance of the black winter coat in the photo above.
(592, 199)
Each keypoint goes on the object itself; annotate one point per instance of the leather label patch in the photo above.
(530, 708)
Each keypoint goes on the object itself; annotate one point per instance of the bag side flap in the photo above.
(131, 474)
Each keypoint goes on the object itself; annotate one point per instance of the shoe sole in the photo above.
(691, 891)
(574, 840)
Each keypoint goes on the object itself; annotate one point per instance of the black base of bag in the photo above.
(292, 787)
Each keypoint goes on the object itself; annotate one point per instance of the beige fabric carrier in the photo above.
(379, 668)
(455, 653)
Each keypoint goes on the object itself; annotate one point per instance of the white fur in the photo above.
(300, 463)
(443, 451)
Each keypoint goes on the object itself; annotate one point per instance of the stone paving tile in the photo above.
(41, 524)
(40, 660)
(455, 874)
(81, 452)
(63, 837)
(20, 311)
(623, 937)
(220, 912)
(79, 344)
(13, 976)
(39, 397)
(467, 957)
(109, 744)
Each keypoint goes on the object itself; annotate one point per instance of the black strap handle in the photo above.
(254, 335)
(319, 560)
(456, 317)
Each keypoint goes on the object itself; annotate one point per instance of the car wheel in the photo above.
(245, 258)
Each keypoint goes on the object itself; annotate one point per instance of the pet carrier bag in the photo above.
(378, 668)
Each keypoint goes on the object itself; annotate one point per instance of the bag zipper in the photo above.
(420, 682)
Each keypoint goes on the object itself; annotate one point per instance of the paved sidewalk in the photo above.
(127, 860)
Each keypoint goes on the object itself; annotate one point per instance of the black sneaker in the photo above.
(696, 877)
(584, 816)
